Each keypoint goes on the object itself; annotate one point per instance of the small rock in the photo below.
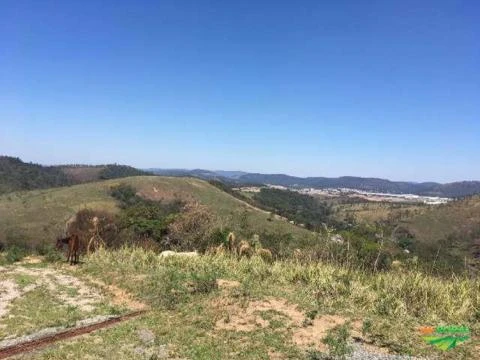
(146, 336)
(150, 353)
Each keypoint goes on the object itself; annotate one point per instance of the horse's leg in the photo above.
(77, 250)
(89, 246)
(72, 254)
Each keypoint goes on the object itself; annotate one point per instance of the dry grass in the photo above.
(395, 303)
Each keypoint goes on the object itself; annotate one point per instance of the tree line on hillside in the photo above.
(300, 208)
(18, 175)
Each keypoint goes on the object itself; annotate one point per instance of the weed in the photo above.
(337, 341)
(24, 280)
(15, 253)
(366, 327)
(52, 255)
(203, 283)
(312, 314)
(312, 354)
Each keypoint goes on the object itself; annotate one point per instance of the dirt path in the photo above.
(67, 334)
(66, 288)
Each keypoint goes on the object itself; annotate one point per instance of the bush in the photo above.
(192, 229)
(125, 194)
(82, 224)
(169, 287)
(15, 253)
(52, 255)
(145, 219)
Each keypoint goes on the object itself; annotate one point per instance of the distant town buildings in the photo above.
(370, 196)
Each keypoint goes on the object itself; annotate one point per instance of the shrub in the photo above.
(82, 224)
(15, 253)
(125, 194)
(52, 255)
(191, 229)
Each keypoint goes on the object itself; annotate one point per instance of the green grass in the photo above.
(23, 280)
(35, 218)
(337, 341)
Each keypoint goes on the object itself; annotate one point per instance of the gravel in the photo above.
(360, 353)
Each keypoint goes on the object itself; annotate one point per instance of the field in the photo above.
(216, 307)
(37, 217)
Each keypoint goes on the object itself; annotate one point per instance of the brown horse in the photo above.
(73, 242)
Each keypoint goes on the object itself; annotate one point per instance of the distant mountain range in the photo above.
(18, 175)
(451, 190)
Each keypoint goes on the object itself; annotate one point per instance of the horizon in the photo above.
(380, 90)
(150, 168)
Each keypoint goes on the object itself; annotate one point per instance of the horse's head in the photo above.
(60, 242)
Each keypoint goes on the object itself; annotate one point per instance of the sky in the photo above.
(386, 89)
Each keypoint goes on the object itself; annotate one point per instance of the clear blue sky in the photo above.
(369, 88)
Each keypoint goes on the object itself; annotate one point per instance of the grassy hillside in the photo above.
(456, 217)
(38, 216)
(447, 235)
(447, 231)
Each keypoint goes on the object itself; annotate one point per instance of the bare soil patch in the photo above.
(32, 260)
(163, 194)
(305, 334)
(227, 284)
(312, 335)
(249, 318)
(119, 296)
(9, 291)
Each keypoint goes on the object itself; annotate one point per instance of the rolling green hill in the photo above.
(38, 216)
